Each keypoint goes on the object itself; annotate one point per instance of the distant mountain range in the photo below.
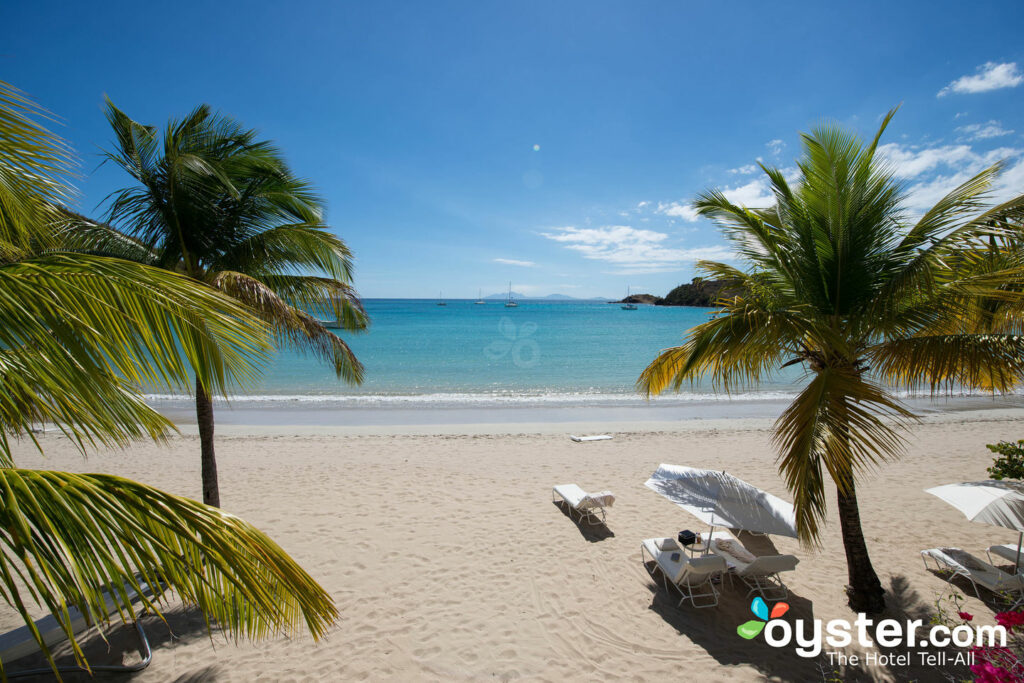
(549, 297)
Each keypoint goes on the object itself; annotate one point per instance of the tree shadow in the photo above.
(121, 646)
(593, 532)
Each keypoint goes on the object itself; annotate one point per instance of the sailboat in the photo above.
(508, 302)
(628, 306)
(480, 298)
(440, 295)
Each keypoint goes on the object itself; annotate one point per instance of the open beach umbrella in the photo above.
(1000, 503)
(720, 499)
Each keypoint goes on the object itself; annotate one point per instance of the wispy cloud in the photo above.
(990, 76)
(744, 170)
(775, 146)
(678, 210)
(631, 250)
(515, 262)
(983, 131)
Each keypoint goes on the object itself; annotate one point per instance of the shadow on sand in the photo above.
(121, 647)
(714, 630)
(592, 531)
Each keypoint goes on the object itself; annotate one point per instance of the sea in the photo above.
(540, 361)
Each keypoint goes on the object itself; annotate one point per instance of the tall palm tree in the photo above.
(839, 281)
(79, 335)
(216, 204)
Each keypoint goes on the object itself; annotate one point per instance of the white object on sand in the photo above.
(585, 504)
(598, 437)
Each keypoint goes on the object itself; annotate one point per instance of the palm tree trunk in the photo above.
(865, 591)
(204, 416)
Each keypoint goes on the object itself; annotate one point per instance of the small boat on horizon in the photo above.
(628, 305)
(440, 295)
(479, 298)
(508, 302)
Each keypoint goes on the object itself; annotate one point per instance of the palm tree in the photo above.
(221, 207)
(839, 281)
(79, 335)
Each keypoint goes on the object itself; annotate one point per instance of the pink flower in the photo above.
(965, 616)
(1010, 619)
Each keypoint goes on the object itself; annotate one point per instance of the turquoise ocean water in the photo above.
(543, 361)
(463, 353)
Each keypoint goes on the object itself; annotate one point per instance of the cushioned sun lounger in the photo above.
(692, 577)
(1006, 552)
(961, 563)
(19, 643)
(760, 574)
(587, 505)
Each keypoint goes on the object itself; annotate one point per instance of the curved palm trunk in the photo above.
(865, 590)
(204, 417)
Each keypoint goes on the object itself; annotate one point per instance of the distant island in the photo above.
(698, 292)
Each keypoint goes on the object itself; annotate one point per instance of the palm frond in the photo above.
(840, 424)
(291, 325)
(66, 538)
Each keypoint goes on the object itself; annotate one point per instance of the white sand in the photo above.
(449, 562)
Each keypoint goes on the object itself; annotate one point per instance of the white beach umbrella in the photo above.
(1000, 503)
(720, 499)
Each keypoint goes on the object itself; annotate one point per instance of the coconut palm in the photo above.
(221, 207)
(79, 336)
(838, 279)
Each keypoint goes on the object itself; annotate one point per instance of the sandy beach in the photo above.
(448, 560)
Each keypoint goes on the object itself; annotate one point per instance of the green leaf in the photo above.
(750, 629)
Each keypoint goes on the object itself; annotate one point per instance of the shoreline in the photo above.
(248, 421)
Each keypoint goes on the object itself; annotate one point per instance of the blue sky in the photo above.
(463, 145)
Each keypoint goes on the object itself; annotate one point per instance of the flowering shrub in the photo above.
(1000, 664)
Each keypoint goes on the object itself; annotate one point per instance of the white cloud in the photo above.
(678, 210)
(515, 262)
(909, 161)
(642, 204)
(756, 194)
(632, 250)
(922, 195)
(775, 146)
(744, 170)
(990, 76)
(983, 131)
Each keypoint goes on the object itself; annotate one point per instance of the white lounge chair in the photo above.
(1006, 552)
(962, 563)
(587, 505)
(20, 643)
(760, 574)
(688, 575)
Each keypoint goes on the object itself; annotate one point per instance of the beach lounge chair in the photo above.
(19, 643)
(586, 505)
(692, 577)
(1007, 552)
(760, 574)
(962, 563)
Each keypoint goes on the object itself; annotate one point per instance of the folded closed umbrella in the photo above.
(720, 499)
(999, 503)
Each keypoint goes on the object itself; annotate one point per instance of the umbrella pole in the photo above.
(1016, 565)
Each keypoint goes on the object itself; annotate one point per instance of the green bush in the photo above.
(1010, 463)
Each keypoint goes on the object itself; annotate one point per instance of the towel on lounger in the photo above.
(733, 550)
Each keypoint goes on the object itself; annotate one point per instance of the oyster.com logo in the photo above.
(751, 629)
(516, 343)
